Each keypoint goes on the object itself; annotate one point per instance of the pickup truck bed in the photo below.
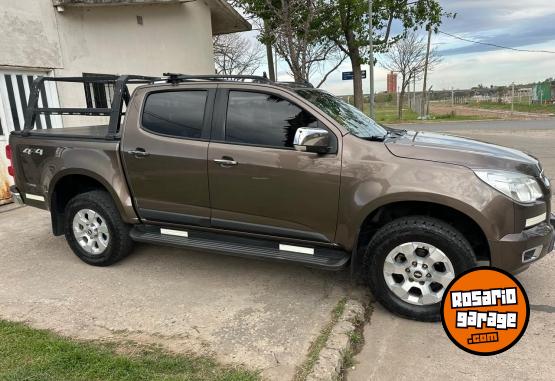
(83, 132)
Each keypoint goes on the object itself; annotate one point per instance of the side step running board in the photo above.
(317, 257)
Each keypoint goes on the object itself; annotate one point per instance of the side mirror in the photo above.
(312, 140)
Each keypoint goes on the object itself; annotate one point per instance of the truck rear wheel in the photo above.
(411, 261)
(94, 229)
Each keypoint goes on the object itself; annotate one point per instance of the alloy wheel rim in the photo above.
(91, 231)
(418, 273)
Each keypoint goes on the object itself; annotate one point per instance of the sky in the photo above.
(526, 24)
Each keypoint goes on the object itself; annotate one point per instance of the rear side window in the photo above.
(175, 113)
(264, 119)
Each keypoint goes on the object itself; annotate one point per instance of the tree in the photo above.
(292, 27)
(236, 55)
(408, 58)
(346, 24)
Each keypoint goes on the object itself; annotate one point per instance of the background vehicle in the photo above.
(283, 172)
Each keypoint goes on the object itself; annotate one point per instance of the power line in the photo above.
(495, 45)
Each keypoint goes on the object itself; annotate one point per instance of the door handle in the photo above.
(139, 152)
(225, 162)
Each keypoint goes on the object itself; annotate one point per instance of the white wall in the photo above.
(28, 34)
(102, 39)
(108, 39)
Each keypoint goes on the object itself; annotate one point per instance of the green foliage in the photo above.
(347, 22)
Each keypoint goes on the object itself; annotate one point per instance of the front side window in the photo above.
(175, 113)
(356, 122)
(264, 120)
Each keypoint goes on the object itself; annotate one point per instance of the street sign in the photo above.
(348, 75)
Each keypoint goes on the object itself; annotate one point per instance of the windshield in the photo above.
(348, 116)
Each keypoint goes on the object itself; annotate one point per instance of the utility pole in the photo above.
(276, 63)
(414, 93)
(371, 63)
(513, 99)
(424, 88)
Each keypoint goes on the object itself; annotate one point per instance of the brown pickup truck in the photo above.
(281, 171)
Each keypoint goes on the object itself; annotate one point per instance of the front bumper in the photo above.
(515, 252)
(16, 196)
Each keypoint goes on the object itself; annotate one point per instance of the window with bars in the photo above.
(14, 94)
(98, 95)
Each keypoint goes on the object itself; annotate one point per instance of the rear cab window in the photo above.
(175, 113)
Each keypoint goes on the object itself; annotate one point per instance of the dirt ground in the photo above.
(445, 109)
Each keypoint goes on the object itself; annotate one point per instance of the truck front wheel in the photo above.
(94, 229)
(411, 261)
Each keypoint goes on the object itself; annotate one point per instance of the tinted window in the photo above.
(175, 113)
(347, 115)
(263, 119)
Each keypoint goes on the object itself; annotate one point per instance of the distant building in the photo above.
(392, 82)
(542, 92)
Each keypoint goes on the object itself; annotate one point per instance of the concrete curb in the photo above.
(330, 362)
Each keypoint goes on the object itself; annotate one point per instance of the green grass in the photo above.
(522, 107)
(317, 345)
(451, 117)
(29, 354)
(387, 113)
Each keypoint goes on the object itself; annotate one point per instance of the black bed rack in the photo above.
(122, 94)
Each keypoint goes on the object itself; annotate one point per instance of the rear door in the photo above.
(164, 148)
(258, 182)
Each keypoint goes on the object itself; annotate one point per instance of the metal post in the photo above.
(452, 97)
(371, 63)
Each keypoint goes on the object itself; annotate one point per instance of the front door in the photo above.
(258, 182)
(164, 151)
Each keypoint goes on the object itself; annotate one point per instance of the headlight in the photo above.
(519, 187)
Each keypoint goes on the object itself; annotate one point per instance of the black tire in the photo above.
(414, 229)
(119, 244)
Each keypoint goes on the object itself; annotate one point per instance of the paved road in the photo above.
(398, 349)
(242, 311)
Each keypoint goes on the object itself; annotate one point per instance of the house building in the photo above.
(73, 37)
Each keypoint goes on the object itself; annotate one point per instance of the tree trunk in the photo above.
(401, 100)
(354, 55)
(270, 58)
(402, 96)
(357, 86)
